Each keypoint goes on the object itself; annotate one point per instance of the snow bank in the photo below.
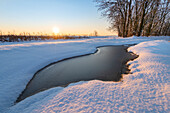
(144, 90)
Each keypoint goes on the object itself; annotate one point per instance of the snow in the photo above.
(146, 90)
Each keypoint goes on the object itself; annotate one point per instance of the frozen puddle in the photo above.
(107, 64)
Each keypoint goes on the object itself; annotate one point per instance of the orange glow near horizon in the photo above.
(56, 31)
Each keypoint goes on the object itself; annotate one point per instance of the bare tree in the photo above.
(136, 17)
(95, 33)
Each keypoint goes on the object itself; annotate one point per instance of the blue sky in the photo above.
(70, 16)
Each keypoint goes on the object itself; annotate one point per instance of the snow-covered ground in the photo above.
(146, 90)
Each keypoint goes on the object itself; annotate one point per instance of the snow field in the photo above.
(146, 90)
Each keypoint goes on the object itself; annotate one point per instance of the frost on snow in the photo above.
(146, 90)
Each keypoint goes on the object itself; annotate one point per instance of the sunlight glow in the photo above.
(56, 30)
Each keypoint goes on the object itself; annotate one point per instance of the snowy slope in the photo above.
(144, 90)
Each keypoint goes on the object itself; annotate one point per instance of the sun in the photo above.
(56, 30)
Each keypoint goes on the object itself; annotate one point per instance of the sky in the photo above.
(75, 17)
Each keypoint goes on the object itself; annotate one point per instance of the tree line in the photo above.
(20, 38)
(137, 17)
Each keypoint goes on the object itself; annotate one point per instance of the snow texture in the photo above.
(146, 90)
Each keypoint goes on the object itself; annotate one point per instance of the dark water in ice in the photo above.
(106, 64)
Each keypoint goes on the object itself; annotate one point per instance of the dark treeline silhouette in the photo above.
(18, 38)
(137, 17)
